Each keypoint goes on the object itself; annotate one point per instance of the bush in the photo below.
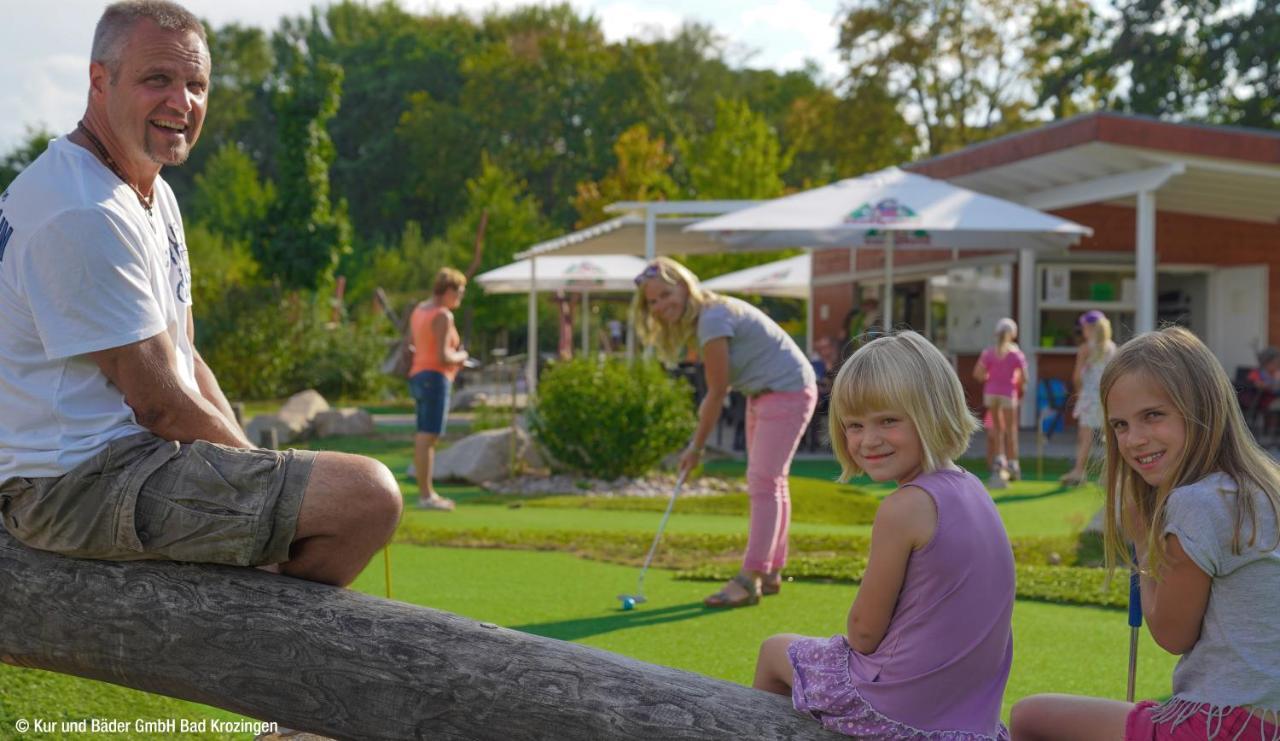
(263, 343)
(611, 418)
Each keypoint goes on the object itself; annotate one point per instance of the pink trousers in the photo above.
(775, 423)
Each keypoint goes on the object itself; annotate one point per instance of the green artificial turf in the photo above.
(1056, 648)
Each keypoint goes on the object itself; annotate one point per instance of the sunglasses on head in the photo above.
(650, 271)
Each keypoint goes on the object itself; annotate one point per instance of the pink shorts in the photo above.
(1238, 724)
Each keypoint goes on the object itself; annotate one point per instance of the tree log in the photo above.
(347, 665)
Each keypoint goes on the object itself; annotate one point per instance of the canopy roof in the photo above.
(922, 212)
(566, 273)
(788, 278)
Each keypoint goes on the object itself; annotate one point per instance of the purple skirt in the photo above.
(824, 690)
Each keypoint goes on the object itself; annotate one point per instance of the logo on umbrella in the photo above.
(887, 211)
(585, 273)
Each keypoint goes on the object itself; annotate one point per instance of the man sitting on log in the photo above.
(116, 441)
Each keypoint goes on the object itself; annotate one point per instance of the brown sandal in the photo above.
(722, 599)
(771, 583)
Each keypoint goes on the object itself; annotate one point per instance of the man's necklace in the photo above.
(146, 201)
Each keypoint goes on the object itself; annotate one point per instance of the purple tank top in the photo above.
(945, 660)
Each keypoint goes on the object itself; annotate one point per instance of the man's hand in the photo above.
(146, 373)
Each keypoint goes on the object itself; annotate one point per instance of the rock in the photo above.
(1096, 524)
(285, 432)
(303, 407)
(484, 456)
(468, 399)
(344, 421)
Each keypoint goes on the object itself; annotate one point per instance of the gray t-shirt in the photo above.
(1237, 659)
(761, 356)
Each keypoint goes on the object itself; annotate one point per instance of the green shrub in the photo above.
(491, 417)
(263, 343)
(611, 418)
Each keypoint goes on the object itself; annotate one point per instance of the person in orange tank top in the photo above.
(437, 358)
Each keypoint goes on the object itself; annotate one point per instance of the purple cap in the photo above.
(1090, 317)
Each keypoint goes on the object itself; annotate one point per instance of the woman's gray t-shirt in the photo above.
(761, 356)
(1236, 661)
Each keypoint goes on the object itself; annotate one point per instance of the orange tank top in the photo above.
(425, 341)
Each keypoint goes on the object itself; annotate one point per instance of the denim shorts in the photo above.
(430, 391)
(143, 497)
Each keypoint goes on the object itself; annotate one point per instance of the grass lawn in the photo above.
(1057, 648)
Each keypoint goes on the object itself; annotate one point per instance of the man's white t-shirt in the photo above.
(82, 268)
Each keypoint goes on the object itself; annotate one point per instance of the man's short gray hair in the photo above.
(118, 19)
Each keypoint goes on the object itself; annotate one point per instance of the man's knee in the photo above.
(350, 493)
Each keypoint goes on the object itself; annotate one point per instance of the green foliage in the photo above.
(611, 418)
(32, 146)
(640, 174)
(740, 158)
(229, 197)
(961, 67)
(514, 224)
(273, 344)
(491, 417)
(305, 234)
(219, 264)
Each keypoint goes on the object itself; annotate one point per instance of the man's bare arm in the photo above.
(205, 379)
(145, 372)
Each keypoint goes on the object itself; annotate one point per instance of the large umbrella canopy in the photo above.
(576, 274)
(892, 209)
(921, 212)
(787, 278)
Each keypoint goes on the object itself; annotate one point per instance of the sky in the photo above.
(44, 46)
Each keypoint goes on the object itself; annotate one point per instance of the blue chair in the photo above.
(1051, 406)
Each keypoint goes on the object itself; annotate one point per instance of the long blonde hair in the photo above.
(902, 372)
(1100, 344)
(1217, 439)
(670, 339)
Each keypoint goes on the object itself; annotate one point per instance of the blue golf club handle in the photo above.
(1135, 591)
(1135, 601)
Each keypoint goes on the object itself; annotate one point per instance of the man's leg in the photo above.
(349, 511)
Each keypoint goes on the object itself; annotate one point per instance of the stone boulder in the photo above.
(486, 456)
(292, 421)
(344, 421)
(303, 407)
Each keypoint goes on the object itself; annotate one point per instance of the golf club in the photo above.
(629, 601)
(1135, 623)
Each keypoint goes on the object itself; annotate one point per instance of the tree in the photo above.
(961, 67)
(740, 158)
(641, 174)
(833, 137)
(229, 196)
(536, 89)
(514, 224)
(32, 146)
(305, 233)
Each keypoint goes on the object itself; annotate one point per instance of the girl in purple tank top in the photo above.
(928, 643)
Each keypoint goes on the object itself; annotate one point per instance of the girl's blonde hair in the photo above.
(902, 372)
(1217, 439)
(670, 339)
(1100, 344)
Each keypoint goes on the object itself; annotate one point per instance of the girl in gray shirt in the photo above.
(1187, 483)
(746, 350)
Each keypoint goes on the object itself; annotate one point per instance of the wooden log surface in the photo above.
(347, 665)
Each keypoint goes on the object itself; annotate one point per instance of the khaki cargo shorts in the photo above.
(143, 497)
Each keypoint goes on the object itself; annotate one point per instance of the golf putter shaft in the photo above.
(1135, 624)
(658, 535)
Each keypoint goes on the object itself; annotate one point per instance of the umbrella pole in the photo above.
(586, 323)
(887, 309)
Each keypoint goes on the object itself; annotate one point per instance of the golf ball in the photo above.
(628, 604)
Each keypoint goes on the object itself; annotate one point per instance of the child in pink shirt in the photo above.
(1002, 369)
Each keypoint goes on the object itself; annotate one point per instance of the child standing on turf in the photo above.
(1201, 504)
(1000, 369)
(927, 646)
